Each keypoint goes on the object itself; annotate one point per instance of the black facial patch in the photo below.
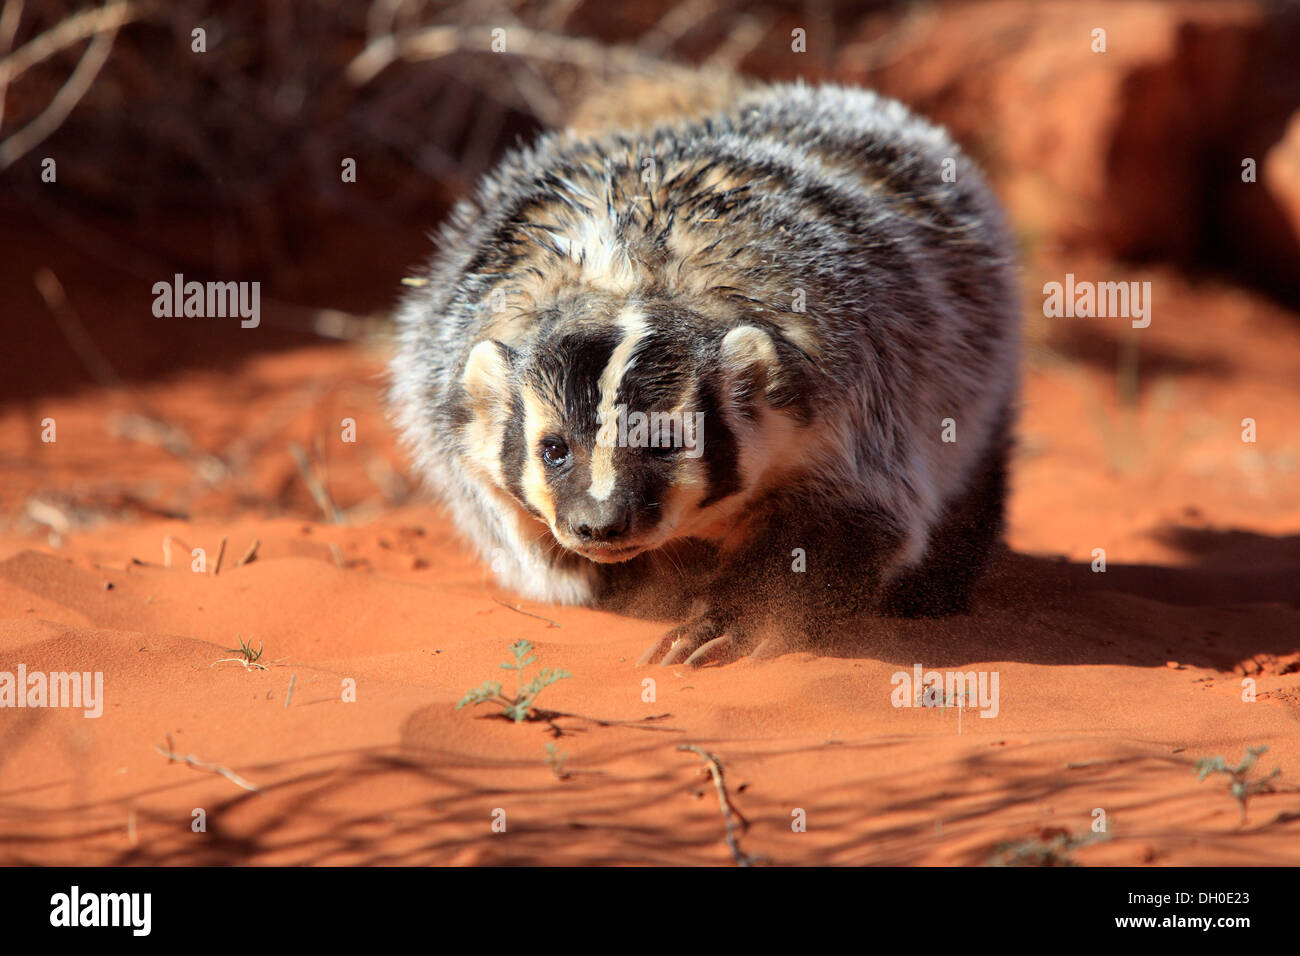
(661, 369)
(665, 372)
(566, 375)
(646, 483)
(514, 454)
(721, 450)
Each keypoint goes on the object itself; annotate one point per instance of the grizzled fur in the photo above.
(794, 267)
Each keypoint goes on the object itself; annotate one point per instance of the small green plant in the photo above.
(519, 707)
(555, 761)
(1241, 787)
(246, 655)
(1052, 847)
(965, 699)
(245, 650)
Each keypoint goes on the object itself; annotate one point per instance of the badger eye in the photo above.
(555, 452)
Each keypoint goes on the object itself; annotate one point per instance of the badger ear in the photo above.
(749, 359)
(487, 373)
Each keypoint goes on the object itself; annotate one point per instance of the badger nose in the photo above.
(600, 522)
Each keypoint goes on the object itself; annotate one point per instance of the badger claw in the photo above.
(656, 651)
(696, 643)
(710, 651)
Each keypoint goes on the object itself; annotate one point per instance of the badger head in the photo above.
(626, 431)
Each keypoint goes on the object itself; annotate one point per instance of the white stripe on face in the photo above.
(634, 328)
(537, 422)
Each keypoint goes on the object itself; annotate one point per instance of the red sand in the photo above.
(1112, 685)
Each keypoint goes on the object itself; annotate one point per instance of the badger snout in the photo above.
(604, 531)
(598, 522)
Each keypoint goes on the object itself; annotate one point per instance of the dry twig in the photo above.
(729, 813)
(197, 764)
(102, 24)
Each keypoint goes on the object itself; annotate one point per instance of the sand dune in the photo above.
(1111, 685)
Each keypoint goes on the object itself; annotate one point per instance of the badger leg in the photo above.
(801, 570)
(846, 553)
(960, 544)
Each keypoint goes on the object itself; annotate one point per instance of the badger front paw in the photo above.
(704, 640)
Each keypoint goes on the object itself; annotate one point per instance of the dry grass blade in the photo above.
(519, 610)
(73, 329)
(315, 485)
(193, 761)
(68, 96)
(250, 555)
(78, 27)
(436, 42)
(9, 18)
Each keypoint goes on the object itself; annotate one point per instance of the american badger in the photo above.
(751, 370)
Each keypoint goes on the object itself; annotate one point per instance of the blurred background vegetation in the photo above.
(226, 163)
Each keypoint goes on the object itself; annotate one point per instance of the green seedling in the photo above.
(1240, 787)
(555, 761)
(519, 707)
(965, 699)
(246, 655)
(1048, 849)
(245, 650)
